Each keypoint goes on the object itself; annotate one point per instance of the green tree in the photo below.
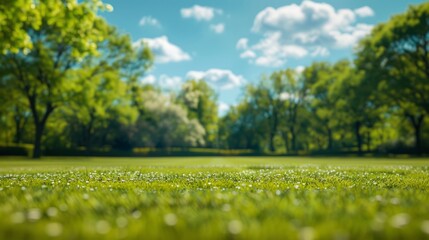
(291, 100)
(200, 101)
(268, 113)
(241, 127)
(395, 58)
(356, 102)
(266, 107)
(166, 123)
(61, 33)
(319, 78)
(103, 86)
(14, 111)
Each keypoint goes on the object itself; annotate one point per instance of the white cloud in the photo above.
(286, 17)
(271, 52)
(218, 28)
(222, 78)
(169, 82)
(200, 13)
(296, 31)
(164, 51)
(149, 21)
(165, 82)
(248, 54)
(364, 12)
(242, 43)
(320, 51)
(149, 79)
(223, 108)
(299, 69)
(268, 61)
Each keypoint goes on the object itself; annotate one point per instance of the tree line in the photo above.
(69, 80)
(379, 101)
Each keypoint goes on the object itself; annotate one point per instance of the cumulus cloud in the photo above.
(270, 51)
(296, 31)
(169, 82)
(218, 28)
(222, 78)
(364, 12)
(164, 51)
(242, 43)
(248, 54)
(149, 79)
(200, 13)
(149, 21)
(165, 82)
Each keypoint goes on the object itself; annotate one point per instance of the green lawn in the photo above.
(214, 197)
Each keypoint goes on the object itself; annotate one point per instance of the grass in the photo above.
(214, 198)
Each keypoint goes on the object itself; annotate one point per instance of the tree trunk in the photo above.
(286, 140)
(37, 148)
(39, 125)
(18, 131)
(273, 131)
(293, 139)
(417, 122)
(358, 136)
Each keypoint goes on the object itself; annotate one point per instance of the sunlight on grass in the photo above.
(244, 198)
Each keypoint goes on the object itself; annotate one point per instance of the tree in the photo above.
(104, 83)
(166, 124)
(242, 127)
(291, 99)
(356, 102)
(200, 101)
(319, 78)
(61, 33)
(14, 111)
(395, 58)
(266, 104)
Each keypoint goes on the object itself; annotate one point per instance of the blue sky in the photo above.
(230, 43)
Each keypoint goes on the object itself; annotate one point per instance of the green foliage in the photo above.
(200, 101)
(14, 18)
(102, 88)
(245, 198)
(238, 129)
(166, 124)
(319, 79)
(395, 58)
(64, 56)
(61, 34)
